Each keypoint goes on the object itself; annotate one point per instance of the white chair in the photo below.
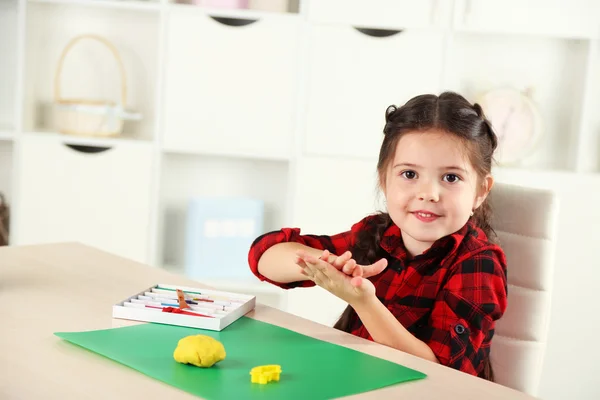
(525, 220)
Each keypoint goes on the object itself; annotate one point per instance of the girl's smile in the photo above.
(425, 216)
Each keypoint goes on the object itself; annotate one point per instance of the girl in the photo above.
(425, 277)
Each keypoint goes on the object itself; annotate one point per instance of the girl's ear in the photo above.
(484, 190)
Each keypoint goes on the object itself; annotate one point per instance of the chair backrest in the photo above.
(525, 220)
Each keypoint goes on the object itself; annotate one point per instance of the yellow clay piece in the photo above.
(264, 374)
(199, 350)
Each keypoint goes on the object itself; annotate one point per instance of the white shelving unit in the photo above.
(283, 102)
(274, 102)
(269, 103)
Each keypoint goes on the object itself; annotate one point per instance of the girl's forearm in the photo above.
(385, 329)
(277, 262)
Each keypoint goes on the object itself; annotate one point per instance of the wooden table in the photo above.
(71, 287)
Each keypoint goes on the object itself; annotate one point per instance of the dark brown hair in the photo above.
(450, 113)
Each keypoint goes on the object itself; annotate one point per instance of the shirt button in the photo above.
(460, 329)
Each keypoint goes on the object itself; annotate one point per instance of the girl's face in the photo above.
(431, 188)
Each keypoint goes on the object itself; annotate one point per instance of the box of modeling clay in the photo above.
(185, 306)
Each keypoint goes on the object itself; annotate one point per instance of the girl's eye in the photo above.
(409, 174)
(451, 178)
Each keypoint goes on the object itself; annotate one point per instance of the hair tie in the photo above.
(389, 111)
(491, 133)
(478, 110)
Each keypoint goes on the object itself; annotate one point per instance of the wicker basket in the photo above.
(88, 117)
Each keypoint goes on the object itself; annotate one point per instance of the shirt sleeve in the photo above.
(462, 321)
(336, 244)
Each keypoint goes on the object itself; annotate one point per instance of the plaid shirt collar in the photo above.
(393, 244)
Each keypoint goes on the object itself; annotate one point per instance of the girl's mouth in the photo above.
(425, 216)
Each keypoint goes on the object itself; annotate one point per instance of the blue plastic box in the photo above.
(219, 232)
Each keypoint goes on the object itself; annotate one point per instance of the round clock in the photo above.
(516, 121)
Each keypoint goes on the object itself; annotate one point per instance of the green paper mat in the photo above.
(311, 368)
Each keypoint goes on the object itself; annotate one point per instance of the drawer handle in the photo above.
(380, 33)
(87, 149)
(234, 21)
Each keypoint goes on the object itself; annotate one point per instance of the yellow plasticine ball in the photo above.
(199, 350)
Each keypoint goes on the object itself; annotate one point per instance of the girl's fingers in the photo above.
(356, 281)
(308, 264)
(375, 268)
(305, 269)
(325, 255)
(349, 267)
(358, 271)
(320, 277)
(341, 260)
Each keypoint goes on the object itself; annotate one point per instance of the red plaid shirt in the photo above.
(449, 297)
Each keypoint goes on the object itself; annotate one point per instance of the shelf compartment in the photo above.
(552, 69)
(90, 71)
(185, 177)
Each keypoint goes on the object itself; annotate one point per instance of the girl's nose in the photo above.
(428, 192)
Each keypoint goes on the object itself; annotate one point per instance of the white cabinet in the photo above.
(230, 84)
(573, 18)
(96, 195)
(382, 13)
(342, 192)
(355, 76)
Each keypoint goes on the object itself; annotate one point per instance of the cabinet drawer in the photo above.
(354, 77)
(573, 18)
(354, 181)
(382, 13)
(230, 89)
(100, 198)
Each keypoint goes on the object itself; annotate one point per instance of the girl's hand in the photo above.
(347, 265)
(348, 288)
